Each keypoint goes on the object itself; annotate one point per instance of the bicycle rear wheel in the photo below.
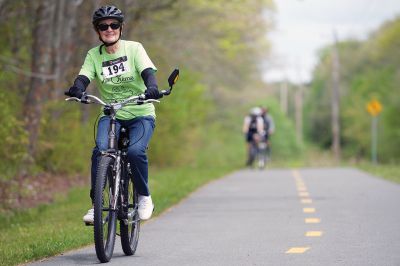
(252, 153)
(261, 160)
(130, 227)
(104, 217)
(262, 155)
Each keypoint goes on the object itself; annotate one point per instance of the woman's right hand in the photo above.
(75, 92)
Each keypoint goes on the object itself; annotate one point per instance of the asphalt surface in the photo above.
(329, 216)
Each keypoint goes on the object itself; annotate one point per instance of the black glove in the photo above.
(152, 93)
(80, 84)
(75, 92)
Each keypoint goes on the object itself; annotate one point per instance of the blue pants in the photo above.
(140, 131)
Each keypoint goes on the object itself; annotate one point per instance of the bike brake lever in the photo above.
(85, 101)
(139, 102)
(73, 99)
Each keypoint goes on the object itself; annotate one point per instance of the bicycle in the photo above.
(259, 152)
(115, 195)
(263, 152)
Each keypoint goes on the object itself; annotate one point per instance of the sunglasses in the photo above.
(104, 27)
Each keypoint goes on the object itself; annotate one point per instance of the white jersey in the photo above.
(259, 127)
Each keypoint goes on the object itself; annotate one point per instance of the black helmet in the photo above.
(105, 12)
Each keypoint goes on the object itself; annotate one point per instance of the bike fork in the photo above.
(116, 182)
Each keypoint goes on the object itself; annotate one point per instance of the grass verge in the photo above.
(387, 171)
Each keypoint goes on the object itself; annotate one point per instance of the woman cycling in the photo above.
(121, 69)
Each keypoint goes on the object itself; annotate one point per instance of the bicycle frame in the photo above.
(113, 149)
(114, 152)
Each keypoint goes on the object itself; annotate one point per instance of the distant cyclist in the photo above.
(253, 128)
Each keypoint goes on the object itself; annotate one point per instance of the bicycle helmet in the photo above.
(255, 111)
(105, 12)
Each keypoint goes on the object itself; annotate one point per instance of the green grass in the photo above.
(389, 172)
(45, 230)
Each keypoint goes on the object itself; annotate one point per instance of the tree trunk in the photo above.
(64, 43)
(41, 63)
(336, 102)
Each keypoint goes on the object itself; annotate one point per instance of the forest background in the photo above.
(47, 143)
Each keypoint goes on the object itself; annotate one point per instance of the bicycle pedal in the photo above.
(89, 224)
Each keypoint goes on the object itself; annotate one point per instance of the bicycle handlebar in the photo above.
(136, 100)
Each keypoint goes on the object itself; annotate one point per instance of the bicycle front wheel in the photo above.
(130, 227)
(104, 216)
(261, 160)
(252, 153)
(262, 155)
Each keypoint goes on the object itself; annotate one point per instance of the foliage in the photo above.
(217, 45)
(222, 41)
(64, 145)
(13, 138)
(369, 70)
(180, 119)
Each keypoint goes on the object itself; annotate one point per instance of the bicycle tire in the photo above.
(130, 231)
(252, 153)
(261, 159)
(104, 217)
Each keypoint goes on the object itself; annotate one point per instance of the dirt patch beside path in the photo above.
(30, 191)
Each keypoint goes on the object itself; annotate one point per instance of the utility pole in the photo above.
(374, 108)
(335, 101)
(284, 97)
(299, 113)
(298, 105)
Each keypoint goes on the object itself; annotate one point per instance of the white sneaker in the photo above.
(89, 217)
(145, 208)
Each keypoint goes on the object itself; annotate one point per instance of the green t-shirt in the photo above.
(118, 76)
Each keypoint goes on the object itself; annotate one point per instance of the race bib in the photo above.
(115, 67)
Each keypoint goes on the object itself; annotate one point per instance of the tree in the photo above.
(41, 56)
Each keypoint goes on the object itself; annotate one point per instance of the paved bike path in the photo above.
(256, 217)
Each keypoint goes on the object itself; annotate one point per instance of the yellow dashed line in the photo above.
(308, 210)
(304, 194)
(306, 201)
(312, 220)
(314, 233)
(296, 174)
(297, 250)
